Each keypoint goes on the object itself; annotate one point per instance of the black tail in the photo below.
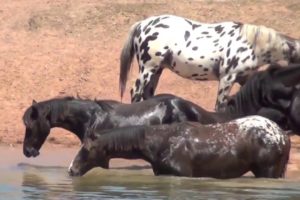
(126, 59)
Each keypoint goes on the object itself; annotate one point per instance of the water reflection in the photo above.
(54, 183)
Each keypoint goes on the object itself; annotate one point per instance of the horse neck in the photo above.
(244, 102)
(72, 115)
(127, 142)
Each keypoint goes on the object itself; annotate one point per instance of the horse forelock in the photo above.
(26, 117)
(261, 37)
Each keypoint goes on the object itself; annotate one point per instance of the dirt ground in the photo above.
(68, 48)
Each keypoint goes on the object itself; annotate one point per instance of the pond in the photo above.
(45, 177)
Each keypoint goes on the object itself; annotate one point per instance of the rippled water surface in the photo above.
(46, 178)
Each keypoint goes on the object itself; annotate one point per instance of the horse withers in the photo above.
(222, 150)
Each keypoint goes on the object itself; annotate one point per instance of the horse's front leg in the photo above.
(146, 84)
(225, 85)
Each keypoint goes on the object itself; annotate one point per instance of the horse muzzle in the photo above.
(73, 173)
(30, 152)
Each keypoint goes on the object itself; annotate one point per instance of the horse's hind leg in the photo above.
(275, 171)
(225, 85)
(152, 84)
(145, 85)
(269, 172)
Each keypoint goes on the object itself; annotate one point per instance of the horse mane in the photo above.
(106, 105)
(261, 37)
(123, 139)
(250, 93)
(93, 122)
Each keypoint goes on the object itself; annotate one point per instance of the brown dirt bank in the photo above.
(60, 48)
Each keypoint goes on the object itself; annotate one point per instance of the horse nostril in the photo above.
(27, 152)
(30, 151)
(35, 153)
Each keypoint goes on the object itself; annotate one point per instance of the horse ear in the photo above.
(34, 113)
(34, 102)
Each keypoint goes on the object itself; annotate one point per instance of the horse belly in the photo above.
(199, 61)
(197, 65)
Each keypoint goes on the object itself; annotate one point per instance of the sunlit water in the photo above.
(46, 177)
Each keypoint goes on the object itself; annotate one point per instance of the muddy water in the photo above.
(46, 177)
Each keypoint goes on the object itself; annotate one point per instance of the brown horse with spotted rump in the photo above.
(225, 150)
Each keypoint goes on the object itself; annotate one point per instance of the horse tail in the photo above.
(286, 154)
(126, 59)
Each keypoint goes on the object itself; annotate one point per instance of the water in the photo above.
(46, 177)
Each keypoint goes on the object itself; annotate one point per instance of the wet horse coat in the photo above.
(76, 115)
(267, 93)
(225, 150)
(264, 94)
(227, 52)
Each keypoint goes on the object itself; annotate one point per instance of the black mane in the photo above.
(125, 138)
(255, 94)
(106, 105)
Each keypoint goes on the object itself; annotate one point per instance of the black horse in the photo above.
(75, 115)
(222, 150)
(264, 94)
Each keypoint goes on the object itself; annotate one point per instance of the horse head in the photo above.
(37, 122)
(90, 155)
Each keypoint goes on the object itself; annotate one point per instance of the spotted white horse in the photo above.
(228, 52)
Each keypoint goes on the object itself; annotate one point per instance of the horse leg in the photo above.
(277, 171)
(140, 90)
(152, 84)
(225, 85)
(277, 168)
